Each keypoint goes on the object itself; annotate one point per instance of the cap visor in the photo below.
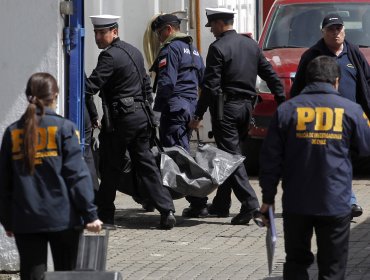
(334, 23)
(208, 24)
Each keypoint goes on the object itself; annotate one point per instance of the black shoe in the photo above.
(216, 212)
(195, 212)
(168, 220)
(356, 210)
(244, 217)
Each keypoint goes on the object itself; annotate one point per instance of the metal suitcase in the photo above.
(91, 259)
(83, 275)
(92, 250)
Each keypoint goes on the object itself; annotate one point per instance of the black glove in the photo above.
(279, 99)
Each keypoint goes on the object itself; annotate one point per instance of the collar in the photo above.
(344, 51)
(115, 41)
(228, 32)
(321, 45)
(47, 111)
(177, 36)
(320, 88)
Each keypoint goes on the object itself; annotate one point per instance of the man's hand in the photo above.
(194, 124)
(94, 226)
(96, 123)
(265, 213)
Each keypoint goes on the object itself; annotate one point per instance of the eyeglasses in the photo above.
(158, 32)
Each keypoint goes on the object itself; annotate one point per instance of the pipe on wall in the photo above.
(197, 20)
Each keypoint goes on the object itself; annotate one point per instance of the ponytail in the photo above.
(30, 137)
(40, 92)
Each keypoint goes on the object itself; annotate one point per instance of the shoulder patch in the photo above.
(350, 65)
(163, 62)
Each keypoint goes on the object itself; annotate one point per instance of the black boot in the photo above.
(195, 212)
(356, 210)
(244, 217)
(168, 220)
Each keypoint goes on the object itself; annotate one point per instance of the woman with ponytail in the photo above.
(46, 192)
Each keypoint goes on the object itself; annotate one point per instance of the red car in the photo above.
(290, 28)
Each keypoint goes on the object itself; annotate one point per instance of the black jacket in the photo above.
(115, 73)
(357, 59)
(59, 193)
(232, 65)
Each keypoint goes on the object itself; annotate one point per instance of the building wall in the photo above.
(31, 42)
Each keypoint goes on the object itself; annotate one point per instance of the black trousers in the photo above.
(332, 235)
(88, 155)
(131, 133)
(32, 248)
(173, 130)
(228, 134)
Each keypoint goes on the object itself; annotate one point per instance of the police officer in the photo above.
(46, 192)
(308, 145)
(179, 71)
(354, 84)
(121, 87)
(232, 65)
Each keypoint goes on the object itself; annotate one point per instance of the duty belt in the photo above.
(124, 106)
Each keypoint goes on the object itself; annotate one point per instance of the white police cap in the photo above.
(104, 21)
(218, 13)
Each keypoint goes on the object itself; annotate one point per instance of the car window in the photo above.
(299, 25)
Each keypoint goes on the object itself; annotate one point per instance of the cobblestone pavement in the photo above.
(212, 248)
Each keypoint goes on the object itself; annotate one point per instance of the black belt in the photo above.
(236, 97)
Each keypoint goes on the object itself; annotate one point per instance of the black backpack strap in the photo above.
(137, 69)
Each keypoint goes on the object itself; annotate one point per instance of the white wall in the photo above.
(31, 42)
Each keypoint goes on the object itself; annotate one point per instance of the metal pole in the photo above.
(76, 68)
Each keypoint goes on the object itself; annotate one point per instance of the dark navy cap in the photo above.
(163, 20)
(331, 19)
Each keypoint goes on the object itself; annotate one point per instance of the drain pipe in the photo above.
(197, 20)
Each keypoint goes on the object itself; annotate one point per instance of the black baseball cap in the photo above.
(162, 20)
(331, 19)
